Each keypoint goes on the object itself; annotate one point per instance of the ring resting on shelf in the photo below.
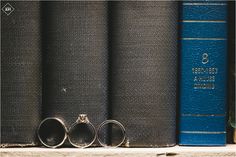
(121, 127)
(82, 133)
(52, 132)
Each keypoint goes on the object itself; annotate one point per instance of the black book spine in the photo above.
(144, 71)
(75, 60)
(20, 73)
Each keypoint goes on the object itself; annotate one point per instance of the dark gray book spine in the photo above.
(75, 60)
(20, 73)
(144, 71)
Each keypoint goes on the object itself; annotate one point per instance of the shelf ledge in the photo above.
(177, 151)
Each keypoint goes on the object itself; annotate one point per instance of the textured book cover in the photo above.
(203, 73)
(143, 44)
(75, 60)
(20, 73)
(231, 132)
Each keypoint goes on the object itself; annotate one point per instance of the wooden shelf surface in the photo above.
(177, 151)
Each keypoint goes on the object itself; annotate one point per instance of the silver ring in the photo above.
(113, 122)
(82, 119)
(44, 133)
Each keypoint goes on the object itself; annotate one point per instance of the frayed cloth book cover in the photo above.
(144, 71)
(75, 60)
(20, 73)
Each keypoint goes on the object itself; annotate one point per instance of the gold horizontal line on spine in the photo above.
(203, 39)
(204, 3)
(203, 132)
(204, 21)
(203, 115)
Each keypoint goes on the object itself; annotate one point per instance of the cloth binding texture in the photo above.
(75, 60)
(143, 71)
(20, 74)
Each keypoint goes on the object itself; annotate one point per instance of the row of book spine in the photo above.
(157, 67)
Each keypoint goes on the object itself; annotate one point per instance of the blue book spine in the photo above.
(203, 73)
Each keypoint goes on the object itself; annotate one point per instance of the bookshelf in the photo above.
(177, 151)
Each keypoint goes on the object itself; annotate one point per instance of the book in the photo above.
(231, 132)
(143, 74)
(203, 73)
(75, 54)
(20, 73)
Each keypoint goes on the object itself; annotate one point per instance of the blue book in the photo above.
(203, 73)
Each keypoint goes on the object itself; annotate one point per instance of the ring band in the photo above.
(82, 119)
(113, 122)
(58, 132)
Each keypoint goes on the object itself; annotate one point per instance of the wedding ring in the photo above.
(82, 133)
(52, 132)
(118, 129)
